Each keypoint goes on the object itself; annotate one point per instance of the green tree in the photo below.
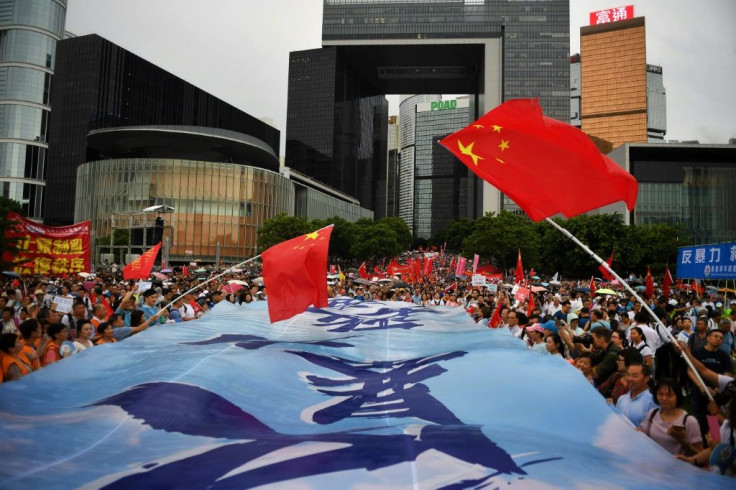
(7, 245)
(658, 245)
(401, 229)
(602, 233)
(499, 237)
(281, 228)
(454, 235)
(375, 240)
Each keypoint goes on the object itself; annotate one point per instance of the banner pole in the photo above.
(228, 270)
(629, 288)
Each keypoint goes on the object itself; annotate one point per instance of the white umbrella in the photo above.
(237, 281)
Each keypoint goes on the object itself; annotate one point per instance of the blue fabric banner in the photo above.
(357, 395)
(716, 261)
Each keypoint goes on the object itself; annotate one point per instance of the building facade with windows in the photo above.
(100, 85)
(685, 185)
(29, 33)
(622, 99)
(493, 50)
(434, 184)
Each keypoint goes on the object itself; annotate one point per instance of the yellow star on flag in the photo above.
(312, 236)
(500, 161)
(468, 150)
(504, 145)
(496, 128)
(479, 126)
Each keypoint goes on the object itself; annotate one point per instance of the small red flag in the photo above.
(607, 275)
(184, 271)
(519, 272)
(362, 272)
(428, 264)
(667, 282)
(495, 320)
(141, 267)
(294, 273)
(649, 284)
(539, 162)
(531, 306)
(593, 289)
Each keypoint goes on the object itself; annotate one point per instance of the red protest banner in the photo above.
(48, 250)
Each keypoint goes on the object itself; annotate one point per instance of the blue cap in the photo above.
(550, 325)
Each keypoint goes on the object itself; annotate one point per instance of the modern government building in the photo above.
(130, 137)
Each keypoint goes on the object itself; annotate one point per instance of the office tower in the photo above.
(492, 50)
(622, 98)
(29, 32)
(101, 85)
(440, 185)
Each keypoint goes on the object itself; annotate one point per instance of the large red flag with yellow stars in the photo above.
(546, 166)
(295, 274)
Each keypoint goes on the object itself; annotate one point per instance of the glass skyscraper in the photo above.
(29, 31)
(101, 85)
(490, 49)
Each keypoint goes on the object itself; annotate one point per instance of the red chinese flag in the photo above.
(519, 273)
(649, 284)
(531, 306)
(593, 289)
(607, 275)
(667, 282)
(184, 271)
(428, 264)
(295, 274)
(362, 272)
(141, 267)
(539, 162)
(495, 320)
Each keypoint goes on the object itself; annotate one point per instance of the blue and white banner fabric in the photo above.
(717, 261)
(356, 395)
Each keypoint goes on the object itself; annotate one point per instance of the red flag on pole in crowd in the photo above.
(607, 275)
(531, 306)
(519, 272)
(539, 162)
(294, 274)
(333, 269)
(667, 282)
(696, 287)
(362, 272)
(452, 263)
(428, 263)
(141, 267)
(593, 289)
(649, 284)
(532, 273)
(495, 320)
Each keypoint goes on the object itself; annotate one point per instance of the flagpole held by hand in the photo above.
(605, 265)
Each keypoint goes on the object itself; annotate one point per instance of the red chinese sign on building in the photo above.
(48, 250)
(612, 15)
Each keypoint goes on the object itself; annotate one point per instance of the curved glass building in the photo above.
(29, 31)
(218, 185)
(214, 203)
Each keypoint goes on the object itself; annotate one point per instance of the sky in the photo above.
(238, 50)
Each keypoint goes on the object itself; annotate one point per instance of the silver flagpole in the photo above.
(628, 288)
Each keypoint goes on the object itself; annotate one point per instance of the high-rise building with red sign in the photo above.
(622, 99)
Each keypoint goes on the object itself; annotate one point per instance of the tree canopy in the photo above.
(497, 238)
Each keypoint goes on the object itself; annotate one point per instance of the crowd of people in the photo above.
(37, 331)
(636, 363)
